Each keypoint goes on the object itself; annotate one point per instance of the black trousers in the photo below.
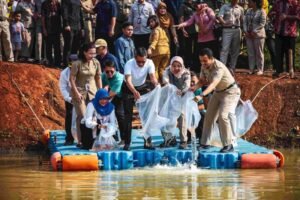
(128, 101)
(68, 121)
(270, 44)
(282, 45)
(189, 47)
(71, 44)
(119, 110)
(53, 42)
(141, 41)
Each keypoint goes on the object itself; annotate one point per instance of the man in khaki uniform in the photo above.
(5, 43)
(222, 104)
(87, 18)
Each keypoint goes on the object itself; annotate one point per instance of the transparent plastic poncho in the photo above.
(160, 109)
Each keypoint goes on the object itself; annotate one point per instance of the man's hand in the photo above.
(101, 126)
(136, 95)
(111, 33)
(197, 98)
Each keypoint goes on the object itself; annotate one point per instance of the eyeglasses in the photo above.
(109, 71)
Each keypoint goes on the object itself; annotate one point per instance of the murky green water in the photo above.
(21, 177)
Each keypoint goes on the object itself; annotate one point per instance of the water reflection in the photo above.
(23, 178)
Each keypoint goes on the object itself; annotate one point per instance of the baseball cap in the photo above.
(100, 43)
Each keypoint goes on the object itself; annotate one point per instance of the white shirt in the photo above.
(65, 85)
(91, 121)
(138, 74)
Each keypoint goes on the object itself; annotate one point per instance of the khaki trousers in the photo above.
(160, 63)
(181, 124)
(255, 48)
(80, 108)
(221, 108)
(182, 128)
(88, 31)
(231, 39)
(5, 42)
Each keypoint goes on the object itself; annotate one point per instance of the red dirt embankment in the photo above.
(277, 105)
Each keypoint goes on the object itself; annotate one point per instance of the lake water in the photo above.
(22, 177)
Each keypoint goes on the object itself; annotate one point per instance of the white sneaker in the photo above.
(259, 73)
(251, 71)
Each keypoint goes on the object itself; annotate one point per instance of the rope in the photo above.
(23, 97)
(266, 86)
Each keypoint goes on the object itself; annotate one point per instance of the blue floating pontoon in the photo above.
(139, 157)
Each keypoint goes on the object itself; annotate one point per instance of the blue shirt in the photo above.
(105, 10)
(114, 83)
(124, 50)
(106, 57)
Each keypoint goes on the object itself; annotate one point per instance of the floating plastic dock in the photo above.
(70, 158)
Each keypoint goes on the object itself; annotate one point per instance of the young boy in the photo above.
(124, 46)
(201, 107)
(17, 31)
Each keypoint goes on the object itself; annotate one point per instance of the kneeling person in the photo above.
(100, 116)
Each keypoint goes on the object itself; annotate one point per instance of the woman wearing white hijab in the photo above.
(176, 74)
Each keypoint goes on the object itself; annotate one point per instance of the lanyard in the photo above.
(140, 10)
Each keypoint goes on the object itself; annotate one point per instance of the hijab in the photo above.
(102, 110)
(166, 21)
(179, 60)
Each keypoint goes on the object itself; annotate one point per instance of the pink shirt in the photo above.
(205, 22)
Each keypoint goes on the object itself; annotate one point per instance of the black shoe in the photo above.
(226, 149)
(148, 144)
(169, 143)
(172, 142)
(126, 147)
(275, 75)
(164, 145)
(182, 145)
(79, 145)
(203, 146)
(68, 143)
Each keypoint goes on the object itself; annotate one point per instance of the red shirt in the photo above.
(287, 27)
